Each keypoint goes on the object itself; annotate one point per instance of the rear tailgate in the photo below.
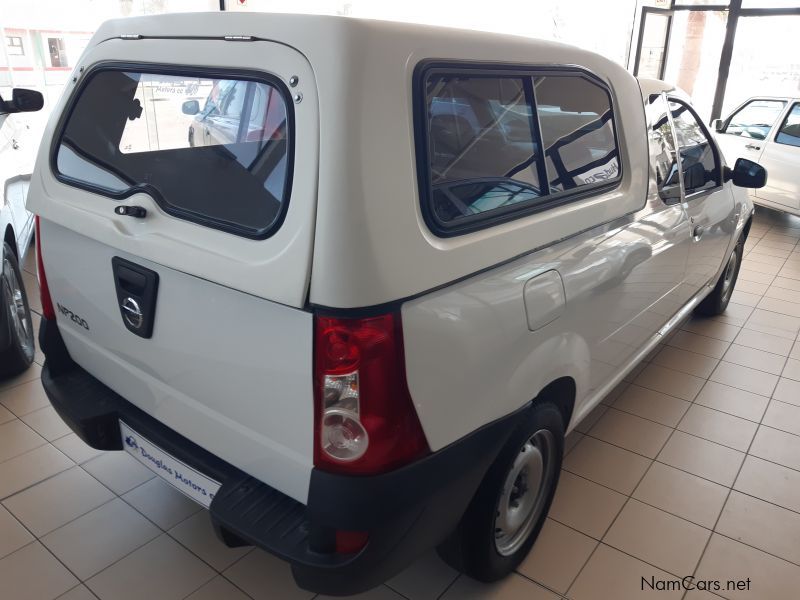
(219, 265)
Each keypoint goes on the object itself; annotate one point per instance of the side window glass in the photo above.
(663, 154)
(481, 143)
(698, 159)
(234, 100)
(577, 131)
(789, 133)
(755, 119)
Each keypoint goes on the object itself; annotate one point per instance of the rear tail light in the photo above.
(365, 420)
(44, 292)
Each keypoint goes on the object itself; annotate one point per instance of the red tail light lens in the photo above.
(44, 292)
(364, 418)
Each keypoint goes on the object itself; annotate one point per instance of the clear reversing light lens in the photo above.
(343, 436)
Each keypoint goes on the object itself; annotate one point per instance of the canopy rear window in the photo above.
(212, 149)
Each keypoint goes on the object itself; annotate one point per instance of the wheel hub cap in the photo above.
(15, 304)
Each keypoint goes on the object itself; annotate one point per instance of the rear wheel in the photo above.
(504, 518)
(717, 301)
(18, 355)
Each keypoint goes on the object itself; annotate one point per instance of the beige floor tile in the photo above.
(79, 592)
(197, 534)
(25, 398)
(658, 538)
(426, 579)
(31, 573)
(584, 505)
(755, 276)
(262, 576)
(572, 439)
(24, 470)
(745, 378)
(669, 381)
(17, 438)
(735, 314)
(513, 587)
(755, 359)
(172, 573)
(652, 405)
(686, 361)
(732, 401)
(118, 471)
(763, 525)
(746, 298)
(771, 578)
(701, 457)
(13, 535)
(611, 574)
(46, 423)
(773, 323)
(718, 427)
(6, 415)
(749, 287)
(780, 306)
(31, 375)
(710, 328)
(795, 353)
(631, 432)
(786, 283)
(589, 420)
(606, 464)
(792, 369)
(783, 416)
(780, 293)
(682, 494)
(99, 538)
(768, 481)
(76, 448)
(699, 343)
(756, 258)
(161, 503)
(77, 493)
(558, 556)
(777, 446)
(218, 588)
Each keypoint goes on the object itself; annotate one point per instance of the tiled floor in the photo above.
(689, 468)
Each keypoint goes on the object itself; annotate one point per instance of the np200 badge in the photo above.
(72, 316)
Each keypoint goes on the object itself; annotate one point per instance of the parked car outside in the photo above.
(17, 151)
(767, 130)
(356, 318)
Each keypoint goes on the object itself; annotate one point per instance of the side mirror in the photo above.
(747, 174)
(718, 125)
(23, 100)
(190, 107)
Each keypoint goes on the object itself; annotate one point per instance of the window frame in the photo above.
(16, 46)
(792, 105)
(163, 204)
(711, 141)
(480, 221)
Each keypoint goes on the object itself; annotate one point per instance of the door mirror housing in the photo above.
(747, 174)
(22, 100)
(718, 125)
(190, 107)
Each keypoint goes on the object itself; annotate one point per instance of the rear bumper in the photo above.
(405, 512)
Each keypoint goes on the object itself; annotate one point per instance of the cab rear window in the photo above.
(215, 150)
(496, 144)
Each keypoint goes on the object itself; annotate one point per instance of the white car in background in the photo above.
(17, 151)
(767, 131)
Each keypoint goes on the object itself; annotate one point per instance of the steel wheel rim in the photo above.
(524, 495)
(730, 271)
(17, 313)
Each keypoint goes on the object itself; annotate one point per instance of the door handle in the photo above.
(698, 232)
(14, 144)
(752, 147)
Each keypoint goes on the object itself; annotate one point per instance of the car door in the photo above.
(745, 132)
(781, 159)
(709, 204)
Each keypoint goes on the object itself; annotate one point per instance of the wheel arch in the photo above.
(561, 392)
(11, 239)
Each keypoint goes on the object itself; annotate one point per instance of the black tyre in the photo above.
(15, 318)
(717, 301)
(507, 513)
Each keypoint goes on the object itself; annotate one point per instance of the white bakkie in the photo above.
(365, 276)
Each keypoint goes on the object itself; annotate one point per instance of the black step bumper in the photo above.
(405, 512)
